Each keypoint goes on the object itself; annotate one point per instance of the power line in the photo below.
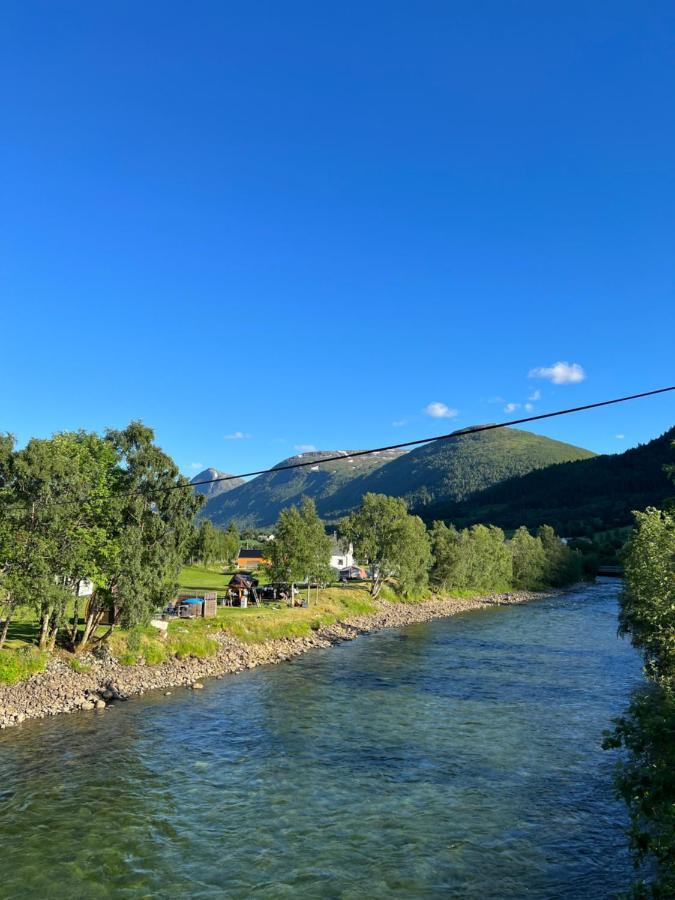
(429, 440)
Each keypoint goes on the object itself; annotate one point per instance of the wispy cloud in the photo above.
(196, 466)
(619, 437)
(535, 395)
(560, 373)
(237, 436)
(305, 448)
(439, 410)
(528, 407)
(399, 423)
(511, 407)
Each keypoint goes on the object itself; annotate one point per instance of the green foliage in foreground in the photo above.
(17, 665)
(646, 777)
(112, 510)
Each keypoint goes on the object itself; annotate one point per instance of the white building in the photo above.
(341, 553)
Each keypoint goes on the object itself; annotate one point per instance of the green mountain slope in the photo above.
(451, 470)
(257, 503)
(448, 470)
(577, 498)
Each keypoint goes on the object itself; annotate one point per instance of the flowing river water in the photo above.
(456, 758)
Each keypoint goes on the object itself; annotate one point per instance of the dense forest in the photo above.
(577, 498)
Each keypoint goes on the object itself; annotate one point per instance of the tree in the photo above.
(208, 545)
(231, 544)
(563, 566)
(55, 501)
(301, 548)
(646, 774)
(529, 559)
(489, 565)
(449, 552)
(394, 543)
(150, 525)
(648, 604)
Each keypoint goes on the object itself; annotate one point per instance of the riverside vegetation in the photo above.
(646, 775)
(114, 510)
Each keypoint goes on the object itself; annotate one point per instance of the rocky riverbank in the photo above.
(59, 689)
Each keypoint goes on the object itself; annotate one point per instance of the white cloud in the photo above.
(305, 448)
(399, 423)
(237, 436)
(440, 411)
(511, 407)
(528, 407)
(619, 437)
(196, 466)
(560, 373)
(535, 395)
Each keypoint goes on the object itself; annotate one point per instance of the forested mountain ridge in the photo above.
(576, 498)
(454, 469)
(258, 502)
(442, 470)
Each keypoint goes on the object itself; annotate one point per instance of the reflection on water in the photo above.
(456, 758)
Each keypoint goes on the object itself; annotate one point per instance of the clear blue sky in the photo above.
(300, 223)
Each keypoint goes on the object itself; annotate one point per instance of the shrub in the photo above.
(17, 665)
(77, 666)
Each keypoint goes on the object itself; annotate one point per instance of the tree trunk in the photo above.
(91, 623)
(75, 623)
(5, 629)
(53, 631)
(44, 629)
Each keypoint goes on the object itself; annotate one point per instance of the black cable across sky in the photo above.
(430, 440)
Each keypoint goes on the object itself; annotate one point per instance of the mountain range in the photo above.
(443, 471)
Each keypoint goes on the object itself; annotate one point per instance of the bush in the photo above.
(17, 665)
(79, 667)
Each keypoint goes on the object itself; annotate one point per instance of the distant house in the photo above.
(341, 553)
(251, 558)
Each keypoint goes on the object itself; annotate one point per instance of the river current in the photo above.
(456, 758)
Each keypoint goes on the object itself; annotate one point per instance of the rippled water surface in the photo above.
(459, 758)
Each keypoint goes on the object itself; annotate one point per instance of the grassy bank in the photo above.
(197, 638)
(256, 624)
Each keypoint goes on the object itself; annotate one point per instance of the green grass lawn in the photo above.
(204, 578)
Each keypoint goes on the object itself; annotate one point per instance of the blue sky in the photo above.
(263, 226)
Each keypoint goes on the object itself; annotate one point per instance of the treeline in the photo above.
(81, 508)
(398, 549)
(209, 545)
(646, 776)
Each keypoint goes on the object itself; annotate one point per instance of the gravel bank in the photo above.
(59, 689)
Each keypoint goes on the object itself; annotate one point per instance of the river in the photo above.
(456, 758)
